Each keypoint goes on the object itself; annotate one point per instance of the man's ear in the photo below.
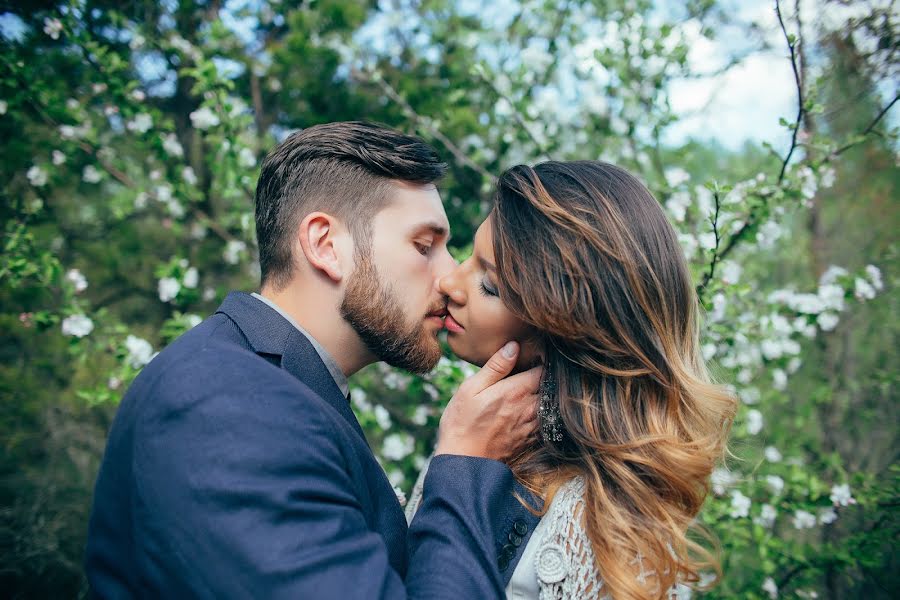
(317, 234)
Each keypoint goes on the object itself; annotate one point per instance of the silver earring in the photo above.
(548, 410)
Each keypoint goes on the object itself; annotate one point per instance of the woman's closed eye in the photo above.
(486, 288)
(423, 249)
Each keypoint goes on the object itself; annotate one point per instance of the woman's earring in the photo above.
(548, 410)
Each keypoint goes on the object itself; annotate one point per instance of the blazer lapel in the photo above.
(271, 334)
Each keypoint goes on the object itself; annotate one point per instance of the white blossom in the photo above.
(382, 417)
(772, 454)
(840, 495)
(77, 279)
(360, 399)
(740, 505)
(52, 27)
(90, 174)
(99, 88)
(770, 588)
(804, 520)
(771, 349)
(775, 484)
(36, 176)
(831, 274)
(137, 41)
(58, 157)
(113, 383)
(754, 421)
(721, 480)
(246, 158)
(675, 176)
(863, 290)
(731, 272)
(719, 303)
(827, 321)
(77, 325)
(709, 351)
(209, 294)
(140, 201)
(189, 176)
(4, 106)
(750, 395)
(138, 95)
(826, 177)
(874, 274)
(395, 477)
(191, 278)
(832, 296)
(204, 118)
(420, 415)
(172, 146)
(141, 123)
(707, 241)
(678, 204)
(193, 320)
(163, 192)
(767, 514)
(139, 351)
(397, 446)
(168, 288)
(827, 516)
(233, 249)
(779, 379)
(175, 208)
(198, 230)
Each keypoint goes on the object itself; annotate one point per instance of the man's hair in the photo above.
(343, 169)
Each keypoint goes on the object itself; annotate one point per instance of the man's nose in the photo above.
(450, 285)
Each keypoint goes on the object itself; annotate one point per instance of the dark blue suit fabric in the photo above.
(235, 468)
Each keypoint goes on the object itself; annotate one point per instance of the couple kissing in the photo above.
(570, 466)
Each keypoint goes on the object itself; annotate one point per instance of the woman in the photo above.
(578, 262)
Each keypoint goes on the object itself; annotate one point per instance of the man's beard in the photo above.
(375, 313)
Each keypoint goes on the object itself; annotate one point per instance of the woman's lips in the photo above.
(451, 324)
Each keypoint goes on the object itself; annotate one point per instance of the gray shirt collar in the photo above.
(339, 378)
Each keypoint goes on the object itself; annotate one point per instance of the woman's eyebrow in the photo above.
(486, 265)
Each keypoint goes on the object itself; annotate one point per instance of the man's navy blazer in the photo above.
(235, 468)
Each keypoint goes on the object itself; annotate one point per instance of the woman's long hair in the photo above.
(586, 256)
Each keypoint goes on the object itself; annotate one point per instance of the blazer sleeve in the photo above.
(250, 497)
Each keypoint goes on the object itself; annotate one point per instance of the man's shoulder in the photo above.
(213, 365)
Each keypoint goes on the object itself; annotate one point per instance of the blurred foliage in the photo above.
(134, 133)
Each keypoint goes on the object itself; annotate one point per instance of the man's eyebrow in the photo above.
(486, 265)
(434, 227)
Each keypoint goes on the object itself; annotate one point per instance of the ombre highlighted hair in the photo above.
(586, 257)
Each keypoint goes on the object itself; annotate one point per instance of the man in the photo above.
(235, 467)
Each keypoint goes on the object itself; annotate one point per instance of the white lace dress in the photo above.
(557, 562)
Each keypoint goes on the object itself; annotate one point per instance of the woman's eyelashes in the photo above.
(486, 289)
(423, 249)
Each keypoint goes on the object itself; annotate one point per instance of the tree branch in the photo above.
(423, 122)
(792, 43)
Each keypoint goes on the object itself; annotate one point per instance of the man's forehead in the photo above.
(416, 206)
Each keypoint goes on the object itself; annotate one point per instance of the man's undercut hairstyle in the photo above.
(342, 169)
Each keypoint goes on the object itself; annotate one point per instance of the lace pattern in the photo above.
(564, 562)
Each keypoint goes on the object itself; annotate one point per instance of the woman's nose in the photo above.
(450, 285)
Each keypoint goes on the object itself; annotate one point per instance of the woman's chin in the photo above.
(464, 353)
